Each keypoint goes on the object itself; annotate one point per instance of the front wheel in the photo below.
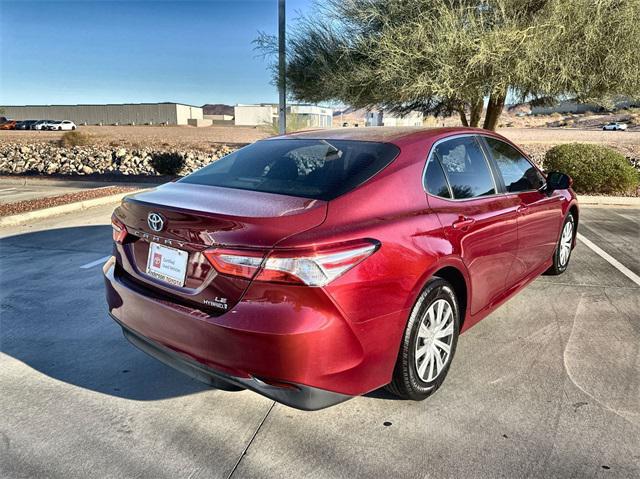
(562, 254)
(428, 344)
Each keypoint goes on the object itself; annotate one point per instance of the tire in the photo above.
(73, 127)
(412, 378)
(562, 253)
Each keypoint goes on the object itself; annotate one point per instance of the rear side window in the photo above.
(466, 167)
(318, 169)
(517, 172)
(435, 180)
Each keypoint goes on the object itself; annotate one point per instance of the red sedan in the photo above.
(321, 265)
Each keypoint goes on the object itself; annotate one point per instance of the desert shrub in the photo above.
(74, 138)
(167, 163)
(594, 168)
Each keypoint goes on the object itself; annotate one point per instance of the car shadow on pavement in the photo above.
(53, 318)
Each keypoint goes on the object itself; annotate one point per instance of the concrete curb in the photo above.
(80, 183)
(14, 220)
(609, 200)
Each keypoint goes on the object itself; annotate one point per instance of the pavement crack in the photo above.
(255, 433)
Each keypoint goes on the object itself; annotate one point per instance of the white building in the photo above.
(312, 116)
(110, 114)
(380, 118)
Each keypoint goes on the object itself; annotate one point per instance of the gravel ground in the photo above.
(162, 137)
(40, 203)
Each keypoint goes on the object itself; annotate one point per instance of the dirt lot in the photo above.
(536, 141)
(159, 136)
(185, 136)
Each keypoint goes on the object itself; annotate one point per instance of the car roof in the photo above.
(387, 134)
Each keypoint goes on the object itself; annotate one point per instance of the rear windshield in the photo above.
(318, 169)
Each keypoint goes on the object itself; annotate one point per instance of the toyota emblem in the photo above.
(155, 221)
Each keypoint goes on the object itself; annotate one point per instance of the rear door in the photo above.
(539, 214)
(479, 222)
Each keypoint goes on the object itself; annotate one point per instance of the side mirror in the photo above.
(557, 181)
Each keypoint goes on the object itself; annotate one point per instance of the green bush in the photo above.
(74, 138)
(594, 168)
(168, 163)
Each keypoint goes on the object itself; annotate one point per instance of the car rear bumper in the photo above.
(295, 395)
(299, 351)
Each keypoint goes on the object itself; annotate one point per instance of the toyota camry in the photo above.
(317, 266)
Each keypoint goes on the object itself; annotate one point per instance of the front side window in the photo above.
(318, 169)
(466, 167)
(518, 173)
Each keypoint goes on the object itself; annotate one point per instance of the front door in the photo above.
(539, 214)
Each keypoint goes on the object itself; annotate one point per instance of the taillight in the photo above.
(119, 230)
(316, 267)
(235, 262)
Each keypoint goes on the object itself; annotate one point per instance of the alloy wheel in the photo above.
(433, 345)
(565, 243)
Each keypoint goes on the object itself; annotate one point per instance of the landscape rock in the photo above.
(50, 159)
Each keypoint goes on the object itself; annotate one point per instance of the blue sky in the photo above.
(95, 51)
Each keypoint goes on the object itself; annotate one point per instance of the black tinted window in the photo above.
(466, 167)
(517, 172)
(319, 169)
(435, 180)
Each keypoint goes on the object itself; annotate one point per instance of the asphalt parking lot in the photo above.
(11, 192)
(547, 386)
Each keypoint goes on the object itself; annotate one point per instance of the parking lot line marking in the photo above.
(610, 259)
(95, 263)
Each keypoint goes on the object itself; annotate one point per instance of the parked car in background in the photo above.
(25, 124)
(615, 126)
(65, 125)
(321, 265)
(41, 124)
(52, 125)
(61, 125)
(8, 125)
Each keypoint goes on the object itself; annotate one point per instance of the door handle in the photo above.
(522, 209)
(462, 223)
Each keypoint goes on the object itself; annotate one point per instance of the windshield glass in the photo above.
(318, 169)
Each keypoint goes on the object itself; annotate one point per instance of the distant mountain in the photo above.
(217, 109)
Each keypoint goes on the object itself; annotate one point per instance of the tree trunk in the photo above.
(476, 113)
(494, 110)
(463, 116)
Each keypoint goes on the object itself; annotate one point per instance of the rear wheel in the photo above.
(428, 344)
(562, 253)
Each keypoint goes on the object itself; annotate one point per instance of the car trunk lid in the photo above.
(197, 217)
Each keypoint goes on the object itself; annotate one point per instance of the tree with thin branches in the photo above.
(462, 56)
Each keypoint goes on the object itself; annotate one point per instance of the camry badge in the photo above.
(155, 221)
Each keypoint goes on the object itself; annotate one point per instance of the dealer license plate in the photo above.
(167, 264)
